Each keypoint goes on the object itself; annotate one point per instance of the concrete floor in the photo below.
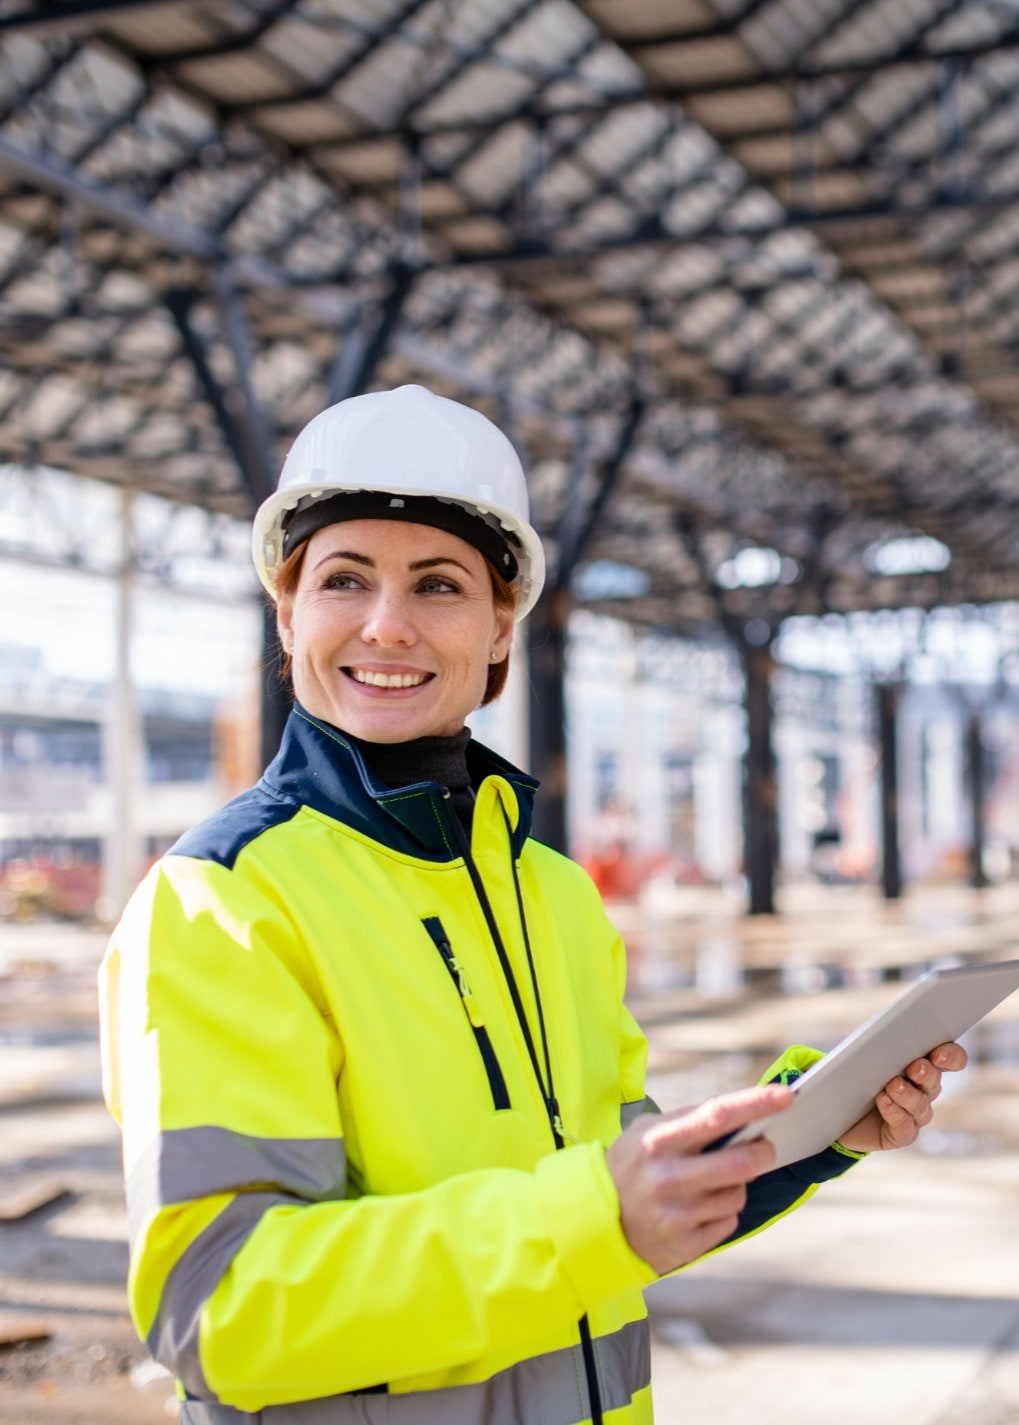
(892, 1296)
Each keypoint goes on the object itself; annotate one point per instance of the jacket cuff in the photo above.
(833, 1160)
(580, 1206)
(830, 1163)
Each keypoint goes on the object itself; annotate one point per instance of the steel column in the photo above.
(244, 429)
(123, 745)
(546, 654)
(577, 533)
(180, 301)
(258, 467)
(760, 783)
(365, 342)
(976, 781)
(887, 714)
(547, 638)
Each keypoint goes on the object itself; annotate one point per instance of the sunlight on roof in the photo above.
(912, 554)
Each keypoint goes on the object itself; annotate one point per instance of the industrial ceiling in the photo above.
(741, 277)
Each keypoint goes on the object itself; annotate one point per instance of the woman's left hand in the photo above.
(905, 1104)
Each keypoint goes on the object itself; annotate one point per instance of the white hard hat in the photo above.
(407, 442)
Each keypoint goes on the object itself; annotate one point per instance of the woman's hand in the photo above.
(676, 1201)
(905, 1104)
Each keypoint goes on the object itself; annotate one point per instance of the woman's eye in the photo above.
(435, 585)
(341, 581)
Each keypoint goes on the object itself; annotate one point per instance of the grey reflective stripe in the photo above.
(546, 1390)
(624, 1364)
(200, 1412)
(188, 1163)
(629, 1111)
(173, 1339)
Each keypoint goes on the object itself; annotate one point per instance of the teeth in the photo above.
(388, 680)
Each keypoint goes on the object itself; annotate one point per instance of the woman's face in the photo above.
(392, 628)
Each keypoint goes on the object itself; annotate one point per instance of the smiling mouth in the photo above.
(387, 680)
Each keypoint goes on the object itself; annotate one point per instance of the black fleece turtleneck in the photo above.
(425, 759)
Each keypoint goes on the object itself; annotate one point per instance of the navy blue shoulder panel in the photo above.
(318, 767)
(223, 836)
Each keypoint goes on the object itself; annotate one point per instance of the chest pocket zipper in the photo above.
(496, 1082)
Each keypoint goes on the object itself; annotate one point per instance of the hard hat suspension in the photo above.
(494, 543)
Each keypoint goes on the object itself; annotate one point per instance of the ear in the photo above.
(285, 623)
(505, 622)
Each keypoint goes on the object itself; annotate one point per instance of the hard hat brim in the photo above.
(267, 537)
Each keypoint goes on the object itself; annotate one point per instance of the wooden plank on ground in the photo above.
(20, 1199)
(16, 1330)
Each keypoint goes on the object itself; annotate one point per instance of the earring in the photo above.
(493, 657)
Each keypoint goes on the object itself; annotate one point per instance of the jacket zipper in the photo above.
(547, 1089)
(496, 1081)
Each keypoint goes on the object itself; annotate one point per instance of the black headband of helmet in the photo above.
(494, 544)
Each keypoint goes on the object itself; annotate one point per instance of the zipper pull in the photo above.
(554, 1117)
(470, 1003)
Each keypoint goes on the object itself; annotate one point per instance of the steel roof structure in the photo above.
(734, 273)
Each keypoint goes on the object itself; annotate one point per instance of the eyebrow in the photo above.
(417, 565)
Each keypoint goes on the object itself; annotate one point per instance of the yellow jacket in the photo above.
(365, 1079)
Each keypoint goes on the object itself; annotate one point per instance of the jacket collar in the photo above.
(318, 766)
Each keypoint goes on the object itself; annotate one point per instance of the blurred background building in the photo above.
(129, 709)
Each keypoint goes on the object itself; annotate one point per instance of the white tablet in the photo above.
(840, 1088)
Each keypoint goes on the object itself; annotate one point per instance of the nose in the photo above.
(388, 622)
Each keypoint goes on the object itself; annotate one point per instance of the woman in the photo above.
(366, 1038)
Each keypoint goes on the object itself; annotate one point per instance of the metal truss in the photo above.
(214, 220)
(54, 520)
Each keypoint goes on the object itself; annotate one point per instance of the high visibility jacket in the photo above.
(366, 1075)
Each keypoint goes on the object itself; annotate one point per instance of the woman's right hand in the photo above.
(676, 1201)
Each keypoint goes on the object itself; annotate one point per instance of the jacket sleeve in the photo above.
(253, 1278)
(633, 1045)
(775, 1194)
